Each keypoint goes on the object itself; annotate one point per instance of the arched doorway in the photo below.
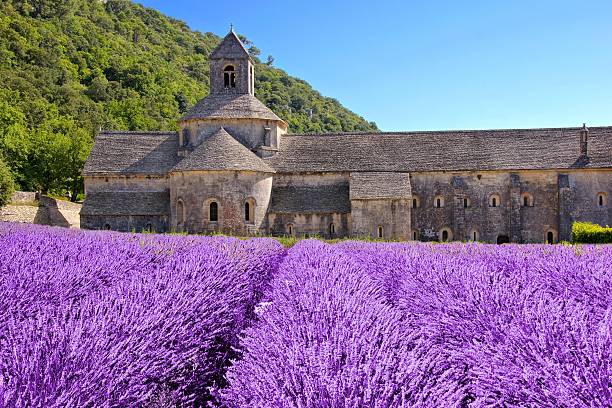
(503, 239)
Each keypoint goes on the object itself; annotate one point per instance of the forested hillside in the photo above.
(71, 67)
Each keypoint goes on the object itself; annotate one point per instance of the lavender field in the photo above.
(101, 319)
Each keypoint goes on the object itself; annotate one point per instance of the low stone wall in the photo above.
(33, 208)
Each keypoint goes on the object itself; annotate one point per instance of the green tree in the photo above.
(7, 186)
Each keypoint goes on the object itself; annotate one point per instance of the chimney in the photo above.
(584, 136)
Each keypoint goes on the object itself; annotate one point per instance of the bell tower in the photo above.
(231, 68)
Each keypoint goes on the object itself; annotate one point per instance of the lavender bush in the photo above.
(405, 325)
(104, 319)
(91, 319)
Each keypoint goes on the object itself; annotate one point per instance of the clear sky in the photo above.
(438, 64)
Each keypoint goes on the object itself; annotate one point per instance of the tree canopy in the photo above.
(72, 67)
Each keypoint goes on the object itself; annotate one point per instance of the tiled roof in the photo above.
(333, 198)
(132, 153)
(230, 106)
(220, 151)
(369, 186)
(512, 149)
(230, 47)
(126, 203)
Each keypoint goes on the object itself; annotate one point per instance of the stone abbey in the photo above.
(232, 168)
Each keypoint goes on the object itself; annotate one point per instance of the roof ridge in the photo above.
(139, 132)
(416, 132)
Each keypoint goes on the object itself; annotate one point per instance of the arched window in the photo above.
(416, 203)
(380, 231)
(249, 210)
(332, 229)
(602, 199)
(415, 235)
(438, 202)
(229, 77)
(494, 200)
(186, 137)
(527, 200)
(213, 212)
(446, 235)
(474, 235)
(550, 237)
(466, 202)
(289, 229)
(180, 212)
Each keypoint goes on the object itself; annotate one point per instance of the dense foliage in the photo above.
(589, 233)
(109, 319)
(71, 67)
(6, 183)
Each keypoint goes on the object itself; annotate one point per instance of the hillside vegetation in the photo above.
(71, 67)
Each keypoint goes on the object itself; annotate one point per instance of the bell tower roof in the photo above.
(230, 48)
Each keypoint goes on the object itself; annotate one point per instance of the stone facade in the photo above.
(232, 168)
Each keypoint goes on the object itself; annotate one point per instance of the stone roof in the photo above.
(220, 151)
(132, 153)
(371, 186)
(512, 149)
(230, 47)
(127, 203)
(230, 106)
(332, 198)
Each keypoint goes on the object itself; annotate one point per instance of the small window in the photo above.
(439, 202)
(466, 202)
(213, 212)
(247, 211)
(186, 137)
(474, 235)
(107, 227)
(180, 212)
(380, 231)
(332, 229)
(415, 202)
(550, 237)
(415, 235)
(229, 77)
(602, 199)
(290, 229)
(494, 200)
(527, 200)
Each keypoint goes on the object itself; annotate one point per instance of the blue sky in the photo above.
(432, 65)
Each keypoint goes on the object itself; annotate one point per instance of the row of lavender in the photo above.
(400, 325)
(107, 319)
(118, 320)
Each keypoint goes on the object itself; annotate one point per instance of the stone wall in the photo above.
(387, 219)
(230, 190)
(136, 182)
(250, 132)
(126, 223)
(578, 199)
(33, 208)
(530, 223)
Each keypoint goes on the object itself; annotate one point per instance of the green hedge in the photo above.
(589, 233)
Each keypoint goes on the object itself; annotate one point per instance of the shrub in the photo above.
(7, 186)
(589, 233)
